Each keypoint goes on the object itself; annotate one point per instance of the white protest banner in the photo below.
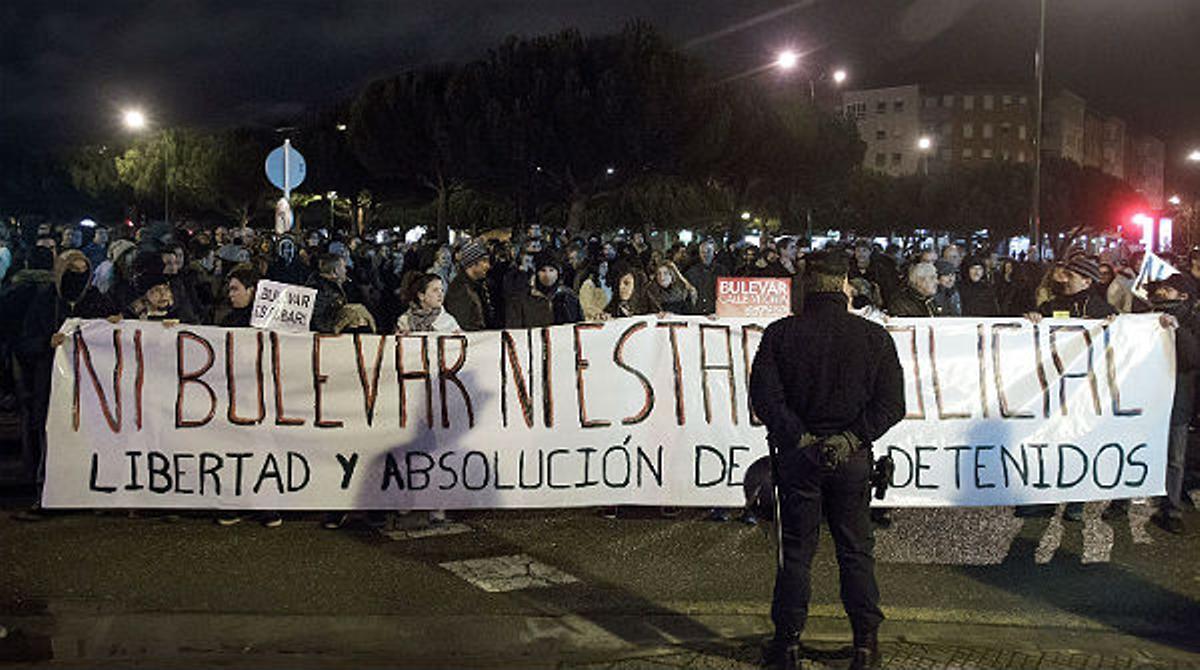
(283, 307)
(754, 297)
(1153, 269)
(641, 411)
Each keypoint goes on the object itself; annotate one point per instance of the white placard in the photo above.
(284, 307)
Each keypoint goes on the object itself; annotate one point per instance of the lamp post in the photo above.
(788, 60)
(1035, 212)
(135, 120)
(925, 146)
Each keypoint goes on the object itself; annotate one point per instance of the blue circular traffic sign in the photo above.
(285, 167)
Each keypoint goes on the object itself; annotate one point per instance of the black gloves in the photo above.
(834, 449)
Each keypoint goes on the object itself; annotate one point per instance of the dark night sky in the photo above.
(67, 68)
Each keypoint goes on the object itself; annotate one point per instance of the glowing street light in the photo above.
(1174, 200)
(925, 145)
(745, 216)
(341, 127)
(839, 77)
(787, 60)
(134, 119)
(1194, 156)
(610, 171)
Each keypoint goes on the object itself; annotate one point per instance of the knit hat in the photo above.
(944, 268)
(119, 247)
(148, 271)
(547, 259)
(1084, 266)
(471, 253)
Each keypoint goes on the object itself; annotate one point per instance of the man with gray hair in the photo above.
(917, 298)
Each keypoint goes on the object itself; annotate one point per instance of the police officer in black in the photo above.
(826, 383)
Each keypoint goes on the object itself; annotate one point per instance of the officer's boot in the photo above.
(866, 652)
(782, 652)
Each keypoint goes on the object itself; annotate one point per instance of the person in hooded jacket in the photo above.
(976, 294)
(39, 301)
(546, 302)
(286, 267)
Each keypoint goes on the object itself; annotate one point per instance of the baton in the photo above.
(778, 515)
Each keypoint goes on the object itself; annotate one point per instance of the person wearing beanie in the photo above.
(827, 384)
(947, 300)
(468, 299)
(1076, 298)
(547, 302)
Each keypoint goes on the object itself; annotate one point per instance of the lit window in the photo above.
(968, 130)
(1020, 156)
(986, 153)
(1021, 132)
(987, 131)
(968, 102)
(947, 101)
(968, 153)
(1007, 101)
(989, 102)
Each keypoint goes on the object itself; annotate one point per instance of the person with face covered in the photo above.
(546, 302)
(36, 305)
(286, 266)
(1174, 299)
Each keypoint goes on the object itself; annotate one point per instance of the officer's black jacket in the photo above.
(826, 371)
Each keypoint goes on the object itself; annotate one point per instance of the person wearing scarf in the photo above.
(426, 292)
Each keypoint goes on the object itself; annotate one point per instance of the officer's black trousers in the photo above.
(843, 496)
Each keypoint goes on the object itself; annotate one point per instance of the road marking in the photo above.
(500, 574)
(438, 530)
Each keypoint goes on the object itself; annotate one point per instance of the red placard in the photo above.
(754, 296)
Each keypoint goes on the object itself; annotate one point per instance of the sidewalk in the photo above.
(86, 637)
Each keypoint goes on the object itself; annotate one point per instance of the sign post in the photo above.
(286, 170)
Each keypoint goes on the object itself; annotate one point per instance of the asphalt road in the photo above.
(636, 581)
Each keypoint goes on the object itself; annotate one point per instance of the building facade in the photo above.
(972, 125)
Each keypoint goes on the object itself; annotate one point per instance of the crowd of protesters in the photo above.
(539, 277)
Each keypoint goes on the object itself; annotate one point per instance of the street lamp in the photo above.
(787, 59)
(839, 77)
(135, 120)
(1194, 156)
(1174, 200)
(925, 146)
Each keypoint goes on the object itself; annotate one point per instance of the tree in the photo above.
(571, 119)
(409, 132)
